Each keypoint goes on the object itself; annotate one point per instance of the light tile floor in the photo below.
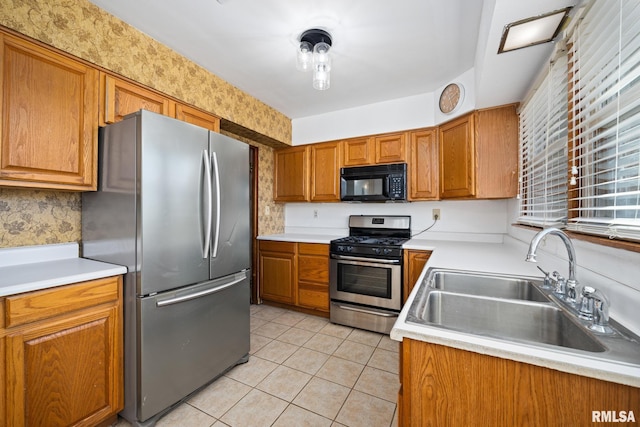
(303, 371)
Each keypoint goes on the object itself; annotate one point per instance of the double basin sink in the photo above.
(517, 309)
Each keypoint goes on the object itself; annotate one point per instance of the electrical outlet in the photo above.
(435, 213)
(315, 213)
(267, 210)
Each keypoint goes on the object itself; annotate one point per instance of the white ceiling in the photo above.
(382, 49)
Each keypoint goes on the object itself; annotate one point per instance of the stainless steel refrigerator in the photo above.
(173, 206)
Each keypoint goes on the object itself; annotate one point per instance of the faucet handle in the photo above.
(561, 284)
(547, 279)
(594, 306)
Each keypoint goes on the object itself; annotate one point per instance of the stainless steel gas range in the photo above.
(365, 274)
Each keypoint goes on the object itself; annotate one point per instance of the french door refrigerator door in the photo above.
(172, 220)
(188, 337)
(231, 235)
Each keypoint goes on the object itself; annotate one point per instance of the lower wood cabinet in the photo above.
(313, 276)
(414, 262)
(442, 385)
(63, 352)
(277, 271)
(295, 274)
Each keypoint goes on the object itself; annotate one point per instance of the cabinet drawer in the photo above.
(313, 268)
(275, 246)
(38, 305)
(313, 296)
(313, 249)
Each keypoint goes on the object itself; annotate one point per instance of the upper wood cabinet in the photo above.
(391, 148)
(48, 131)
(479, 154)
(423, 165)
(497, 152)
(326, 161)
(119, 98)
(457, 158)
(358, 151)
(291, 170)
(197, 117)
(64, 350)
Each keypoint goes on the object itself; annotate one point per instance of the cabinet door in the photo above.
(497, 149)
(49, 107)
(423, 165)
(313, 276)
(277, 271)
(358, 151)
(414, 262)
(197, 117)
(291, 173)
(391, 148)
(119, 98)
(65, 368)
(325, 172)
(457, 158)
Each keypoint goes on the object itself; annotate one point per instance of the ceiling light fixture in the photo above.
(313, 54)
(532, 31)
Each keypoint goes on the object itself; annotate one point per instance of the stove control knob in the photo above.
(376, 251)
(387, 251)
(349, 248)
(340, 248)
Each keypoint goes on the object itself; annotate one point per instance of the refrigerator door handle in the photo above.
(207, 235)
(183, 298)
(214, 248)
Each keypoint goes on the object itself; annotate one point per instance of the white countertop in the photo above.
(507, 258)
(32, 268)
(301, 238)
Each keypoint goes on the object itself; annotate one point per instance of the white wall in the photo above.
(615, 272)
(473, 220)
(412, 112)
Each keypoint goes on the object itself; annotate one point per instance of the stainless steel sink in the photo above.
(491, 285)
(515, 309)
(516, 320)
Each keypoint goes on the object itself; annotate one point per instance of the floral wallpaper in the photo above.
(31, 217)
(86, 31)
(38, 217)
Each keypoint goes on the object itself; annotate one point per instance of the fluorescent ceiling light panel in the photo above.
(532, 31)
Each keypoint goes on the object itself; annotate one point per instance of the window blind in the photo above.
(543, 151)
(605, 156)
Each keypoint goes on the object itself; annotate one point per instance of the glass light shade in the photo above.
(321, 77)
(321, 56)
(532, 31)
(304, 58)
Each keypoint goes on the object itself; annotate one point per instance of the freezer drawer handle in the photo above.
(207, 236)
(198, 294)
(360, 310)
(217, 231)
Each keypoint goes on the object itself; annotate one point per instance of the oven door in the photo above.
(367, 281)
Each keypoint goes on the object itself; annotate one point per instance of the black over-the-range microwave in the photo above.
(377, 183)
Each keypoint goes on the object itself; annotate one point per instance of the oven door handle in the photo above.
(361, 310)
(369, 260)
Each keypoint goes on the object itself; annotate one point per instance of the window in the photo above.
(604, 70)
(580, 129)
(543, 148)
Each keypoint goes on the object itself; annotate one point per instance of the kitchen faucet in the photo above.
(594, 305)
(562, 288)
